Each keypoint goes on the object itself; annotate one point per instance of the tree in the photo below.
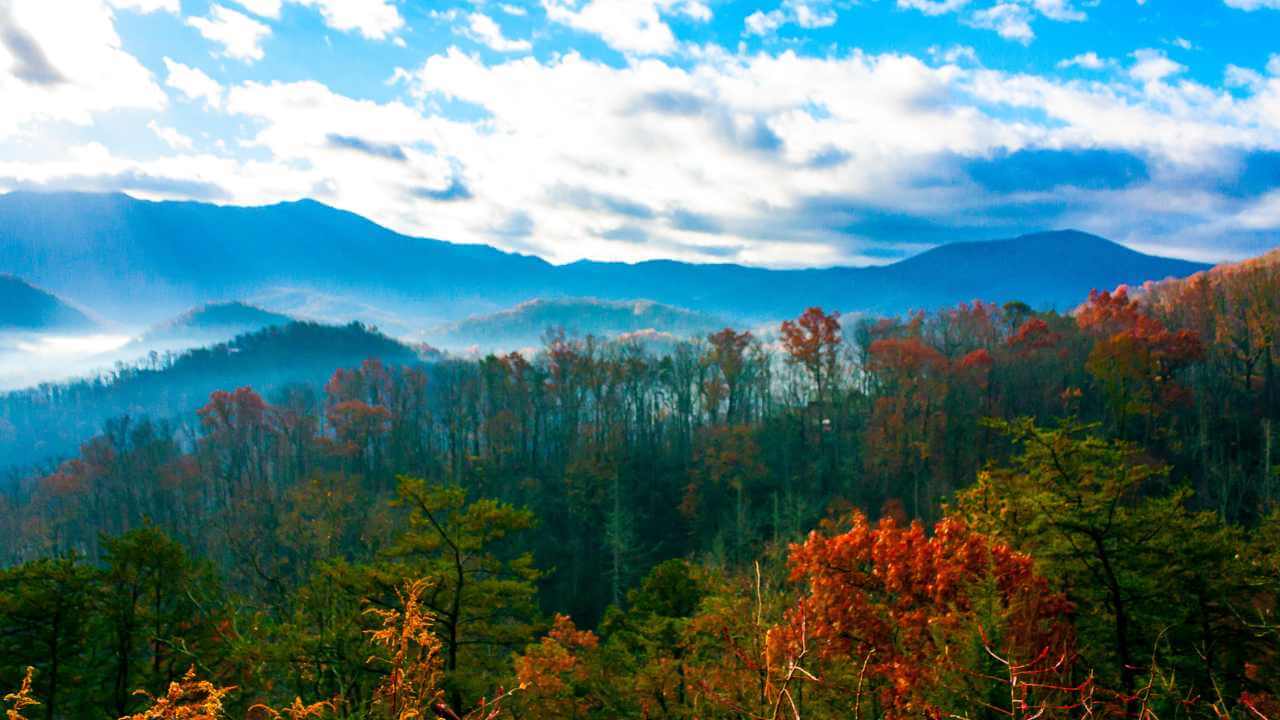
(45, 615)
(727, 463)
(907, 423)
(563, 674)
(1096, 513)
(480, 592)
(1135, 358)
(152, 611)
(907, 621)
(727, 352)
(813, 342)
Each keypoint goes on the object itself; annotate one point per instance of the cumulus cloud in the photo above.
(1087, 61)
(386, 151)
(775, 159)
(629, 26)
(30, 64)
(93, 168)
(373, 19)
(148, 6)
(1153, 66)
(1060, 10)
(193, 83)
(763, 23)
(746, 144)
(933, 7)
(171, 137)
(52, 70)
(954, 54)
(772, 158)
(1010, 20)
(263, 8)
(805, 13)
(1251, 5)
(484, 30)
(239, 35)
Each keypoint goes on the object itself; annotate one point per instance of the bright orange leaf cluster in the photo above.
(901, 609)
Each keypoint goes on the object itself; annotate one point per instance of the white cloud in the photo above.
(805, 13)
(484, 30)
(811, 13)
(513, 10)
(763, 23)
(1153, 66)
(933, 7)
(1239, 77)
(239, 35)
(263, 8)
(630, 26)
(696, 10)
(193, 83)
(1010, 20)
(1087, 61)
(147, 6)
(373, 19)
(66, 71)
(1060, 10)
(773, 158)
(1251, 5)
(954, 54)
(170, 136)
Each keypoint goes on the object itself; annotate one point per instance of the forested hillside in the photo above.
(980, 512)
(50, 421)
(523, 326)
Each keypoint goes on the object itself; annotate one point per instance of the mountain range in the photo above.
(140, 262)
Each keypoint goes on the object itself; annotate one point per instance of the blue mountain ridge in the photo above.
(147, 260)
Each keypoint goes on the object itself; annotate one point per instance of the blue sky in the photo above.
(779, 133)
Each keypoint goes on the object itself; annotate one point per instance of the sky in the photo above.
(782, 133)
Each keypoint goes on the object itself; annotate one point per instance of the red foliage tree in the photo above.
(813, 341)
(920, 623)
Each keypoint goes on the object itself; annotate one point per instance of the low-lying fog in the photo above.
(28, 359)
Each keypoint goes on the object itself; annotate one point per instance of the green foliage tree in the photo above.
(1149, 575)
(156, 612)
(480, 589)
(45, 606)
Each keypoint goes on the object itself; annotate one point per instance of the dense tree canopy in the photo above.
(979, 512)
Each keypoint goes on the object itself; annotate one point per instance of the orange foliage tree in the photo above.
(917, 624)
(813, 342)
(1135, 357)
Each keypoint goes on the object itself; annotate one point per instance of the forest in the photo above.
(979, 512)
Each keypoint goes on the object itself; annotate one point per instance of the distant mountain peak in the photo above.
(25, 307)
(212, 322)
(525, 323)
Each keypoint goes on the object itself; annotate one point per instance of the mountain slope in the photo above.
(524, 324)
(26, 308)
(212, 323)
(148, 260)
(50, 421)
(1049, 269)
